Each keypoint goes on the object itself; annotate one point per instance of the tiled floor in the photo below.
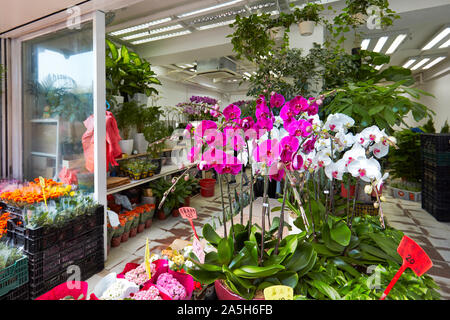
(432, 235)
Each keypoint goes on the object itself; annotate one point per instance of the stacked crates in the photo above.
(74, 251)
(436, 175)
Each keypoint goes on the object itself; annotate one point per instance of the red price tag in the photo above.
(197, 248)
(188, 213)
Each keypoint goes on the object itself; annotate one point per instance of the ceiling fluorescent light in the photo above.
(365, 44)
(165, 36)
(215, 25)
(409, 62)
(437, 38)
(420, 63)
(380, 44)
(398, 40)
(434, 62)
(229, 3)
(445, 44)
(154, 31)
(140, 27)
(136, 35)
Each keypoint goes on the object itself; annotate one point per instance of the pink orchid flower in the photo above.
(231, 165)
(298, 104)
(300, 127)
(231, 112)
(277, 100)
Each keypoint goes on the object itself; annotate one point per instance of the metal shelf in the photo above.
(165, 171)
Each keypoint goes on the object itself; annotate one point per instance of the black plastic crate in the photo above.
(93, 264)
(20, 293)
(441, 213)
(38, 288)
(435, 142)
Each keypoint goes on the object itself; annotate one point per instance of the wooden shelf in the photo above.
(165, 170)
(146, 154)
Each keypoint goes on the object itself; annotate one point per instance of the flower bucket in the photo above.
(344, 191)
(70, 288)
(125, 236)
(223, 293)
(306, 28)
(141, 227)
(207, 187)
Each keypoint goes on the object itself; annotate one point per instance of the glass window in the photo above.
(57, 77)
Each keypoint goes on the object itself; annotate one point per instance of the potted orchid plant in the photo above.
(294, 147)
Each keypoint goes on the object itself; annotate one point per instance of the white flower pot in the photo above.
(140, 143)
(141, 98)
(126, 146)
(306, 28)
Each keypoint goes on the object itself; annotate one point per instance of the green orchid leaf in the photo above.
(210, 235)
(255, 272)
(341, 234)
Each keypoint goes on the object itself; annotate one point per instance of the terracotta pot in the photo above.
(161, 215)
(223, 293)
(115, 241)
(125, 236)
(141, 227)
(133, 232)
(175, 213)
(148, 223)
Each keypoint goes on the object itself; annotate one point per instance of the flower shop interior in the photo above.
(225, 150)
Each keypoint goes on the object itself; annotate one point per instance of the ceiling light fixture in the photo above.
(436, 39)
(140, 27)
(409, 63)
(434, 62)
(154, 31)
(365, 44)
(165, 36)
(229, 3)
(420, 63)
(215, 25)
(445, 44)
(380, 44)
(398, 41)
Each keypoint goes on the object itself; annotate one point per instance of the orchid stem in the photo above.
(223, 208)
(280, 227)
(380, 210)
(348, 197)
(354, 203)
(263, 218)
(241, 197)
(231, 208)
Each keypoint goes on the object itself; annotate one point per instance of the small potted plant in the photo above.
(126, 119)
(155, 135)
(145, 117)
(127, 228)
(308, 16)
(117, 236)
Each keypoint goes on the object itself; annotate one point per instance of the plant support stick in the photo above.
(223, 208)
(280, 227)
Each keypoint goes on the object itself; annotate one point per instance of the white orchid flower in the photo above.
(380, 149)
(379, 182)
(323, 158)
(335, 170)
(339, 122)
(373, 134)
(347, 140)
(354, 153)
(243, 157)
(366, 169)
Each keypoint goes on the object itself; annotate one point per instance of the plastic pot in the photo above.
(187, 201)
(115, 241)
(125, 236)
(161, 215)
(141, 227)
(207, 187)
(175, 213)
(344, 191)
(223, 293)
(133, 232)
(148, 223)
(306, 28)
(126, 146)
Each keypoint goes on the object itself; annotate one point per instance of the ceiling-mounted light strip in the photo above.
(409, 63)
(380, 44)
(446, 44)
(154, 31)
(398, 41)
(434, 62)
(420, 63)
(365, 44)
(165, 36)
(215, 25)
(229, 3)
(437, 39)
(140, 27)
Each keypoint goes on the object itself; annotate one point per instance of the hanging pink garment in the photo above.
(113, 149)
(68, 176)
